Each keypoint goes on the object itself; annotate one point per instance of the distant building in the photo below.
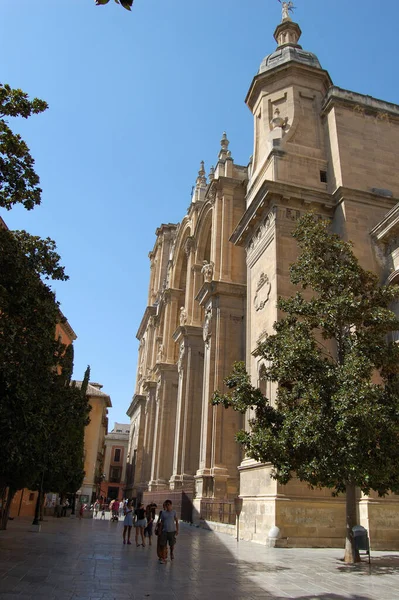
(94, 485)
(116, 444)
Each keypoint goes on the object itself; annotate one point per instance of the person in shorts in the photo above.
(140, 524)
(128, 522)
(170, 529)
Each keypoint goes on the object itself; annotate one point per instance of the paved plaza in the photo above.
(85, 560)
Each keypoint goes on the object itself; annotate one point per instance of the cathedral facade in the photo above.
(214, 283)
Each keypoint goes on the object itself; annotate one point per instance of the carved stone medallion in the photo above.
(262, 292)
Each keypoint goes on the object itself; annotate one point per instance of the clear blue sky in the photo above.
(137, 100)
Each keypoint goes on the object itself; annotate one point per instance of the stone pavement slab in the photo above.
(86, 560)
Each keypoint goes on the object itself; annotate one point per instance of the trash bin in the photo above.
(361, 539)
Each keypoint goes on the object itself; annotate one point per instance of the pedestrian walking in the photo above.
(162, 551)
(115, 510)
(128, 522)
(170, 529)
(81, 510)
(140, 524)
(96, 508)
(150, 522)
(102, 512)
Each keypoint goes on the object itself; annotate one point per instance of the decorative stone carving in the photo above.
(262, 292)
(292, 215)
(160, 353)
(207, 271)
(383, 116)
(183, 316)
(287, 8)
(359, 110)
(211, 196)
(181, 358)
(207, 332)
(278, 121)
(158, 391)
(189, 245)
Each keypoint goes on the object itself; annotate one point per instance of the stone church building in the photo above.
(215, 279)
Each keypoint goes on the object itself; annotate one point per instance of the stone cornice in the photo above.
(150, 311)
(63, 322)
(276, 73)
(219, 288)
(187, 331)
(137, 399)
(149, 384)
(360, 103)
(388, 226)
(370, 198)
(277, 191)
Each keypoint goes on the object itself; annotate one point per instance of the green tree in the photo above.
(335, 422)
(125, 3)
(63, 438)
(42, 417)
(19, 183)
(28, 359)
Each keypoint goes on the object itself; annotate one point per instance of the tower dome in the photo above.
(287, 35)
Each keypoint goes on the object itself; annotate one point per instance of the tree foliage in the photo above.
(19, 182)
(335, 421)
(125, 3)
(42, 416)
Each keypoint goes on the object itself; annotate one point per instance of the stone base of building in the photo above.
(158, 485)
(307, 518)
(182, 482)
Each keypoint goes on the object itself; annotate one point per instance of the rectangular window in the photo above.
(115, 474)
(117, 455)
(323, 176)
(31, 497)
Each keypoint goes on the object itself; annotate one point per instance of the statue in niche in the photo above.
(181, 357)
(183, 316)
(207, 270)
(287, 8)
(207, 331)
(161, 353)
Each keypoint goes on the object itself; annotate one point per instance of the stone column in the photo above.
(188, 416)
(149, 427)
(164, 429)
(223, 334)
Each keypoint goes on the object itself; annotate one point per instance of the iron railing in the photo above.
(218, 511)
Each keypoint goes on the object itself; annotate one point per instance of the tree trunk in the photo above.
(6, 509)
(351, 554)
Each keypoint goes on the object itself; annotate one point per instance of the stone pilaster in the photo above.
(164, 428)
(188, 416)
(223, 335)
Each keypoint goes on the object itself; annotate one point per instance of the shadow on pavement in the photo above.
(380, 565)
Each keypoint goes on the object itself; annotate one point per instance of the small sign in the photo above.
(238, 506)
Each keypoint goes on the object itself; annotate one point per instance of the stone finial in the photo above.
(211, 175)
(224, 147)
(201, 179)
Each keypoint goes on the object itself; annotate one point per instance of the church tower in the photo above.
(315, 148)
